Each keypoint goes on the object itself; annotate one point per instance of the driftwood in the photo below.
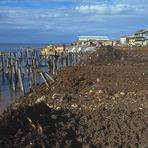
(44, 79)
(50, 77)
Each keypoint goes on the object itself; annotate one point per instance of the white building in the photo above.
(123, 40)
(93, 41)
(93, 38)
(140, 38)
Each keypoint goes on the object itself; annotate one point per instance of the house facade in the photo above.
(141, 37)
(124, 40)
(131, 40)
(146, 41)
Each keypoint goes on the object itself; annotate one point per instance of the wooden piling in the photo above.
(20, 81)
(44, 79)
(50, 77)
(30, 59)
(12, 77)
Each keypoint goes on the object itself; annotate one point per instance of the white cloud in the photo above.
(107, 9)
(28, 18)
(96, 17)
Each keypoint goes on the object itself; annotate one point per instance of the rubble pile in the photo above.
(89, 105)
(39, 126)
(107, 54)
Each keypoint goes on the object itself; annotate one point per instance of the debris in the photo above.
(41, 99)
(74, 105)
(39, 129)
(30, 121)
(84, 112)
(57, 96)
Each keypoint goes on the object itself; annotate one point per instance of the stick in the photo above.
(44, 78)
(50, 77)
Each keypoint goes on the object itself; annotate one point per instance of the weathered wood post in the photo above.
(44, 79)
(12, 77)
(20, 80)
(50, 64)
(56, 61)
(31, 80)
(35, 77)
(2, 62)
(70, 58)
(64, 58)
(45, 58)
(49, 77)
(27, 58)
(37, 58)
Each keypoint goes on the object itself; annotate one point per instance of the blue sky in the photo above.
(45, 21)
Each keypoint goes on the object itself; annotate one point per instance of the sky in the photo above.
(62, 21)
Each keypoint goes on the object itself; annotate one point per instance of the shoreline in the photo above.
(24, 70)
(96, 103)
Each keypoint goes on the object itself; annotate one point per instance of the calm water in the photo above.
(6, 94)
(16, 47)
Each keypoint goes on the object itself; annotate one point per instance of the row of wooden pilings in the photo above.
(30, 64)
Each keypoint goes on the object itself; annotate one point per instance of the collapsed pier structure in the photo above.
(28, 67)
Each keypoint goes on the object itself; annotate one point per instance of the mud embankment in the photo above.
(98, 103)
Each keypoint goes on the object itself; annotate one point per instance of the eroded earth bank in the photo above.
(102, 102)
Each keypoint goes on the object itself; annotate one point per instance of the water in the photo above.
(15, 47)
(6, 93)
(9, 84)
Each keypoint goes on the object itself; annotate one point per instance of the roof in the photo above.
(60, 45)
(141, 31)
(87, 38)
(131, 37)
(123, 37)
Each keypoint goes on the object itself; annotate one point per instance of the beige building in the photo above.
(53, 49)
(93, 41)
(60, 48)
(124, 40)
(141, 37)
(131, 40)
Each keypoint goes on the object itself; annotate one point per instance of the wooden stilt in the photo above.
(20, 81)
(50, 77)
(44, 79)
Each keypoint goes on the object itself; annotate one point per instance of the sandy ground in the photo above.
(102, 102)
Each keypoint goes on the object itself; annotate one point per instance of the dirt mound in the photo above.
(94, 120)
(107, 54)
(114, 121)
(39, 126)
(89, 105)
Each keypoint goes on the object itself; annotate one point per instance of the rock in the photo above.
(54, 117)
(98, 80)
(39, 129)
(99, 93)
(58, 96)
(117, 95)
(41, 99)
(74, 105)
(122, 93)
